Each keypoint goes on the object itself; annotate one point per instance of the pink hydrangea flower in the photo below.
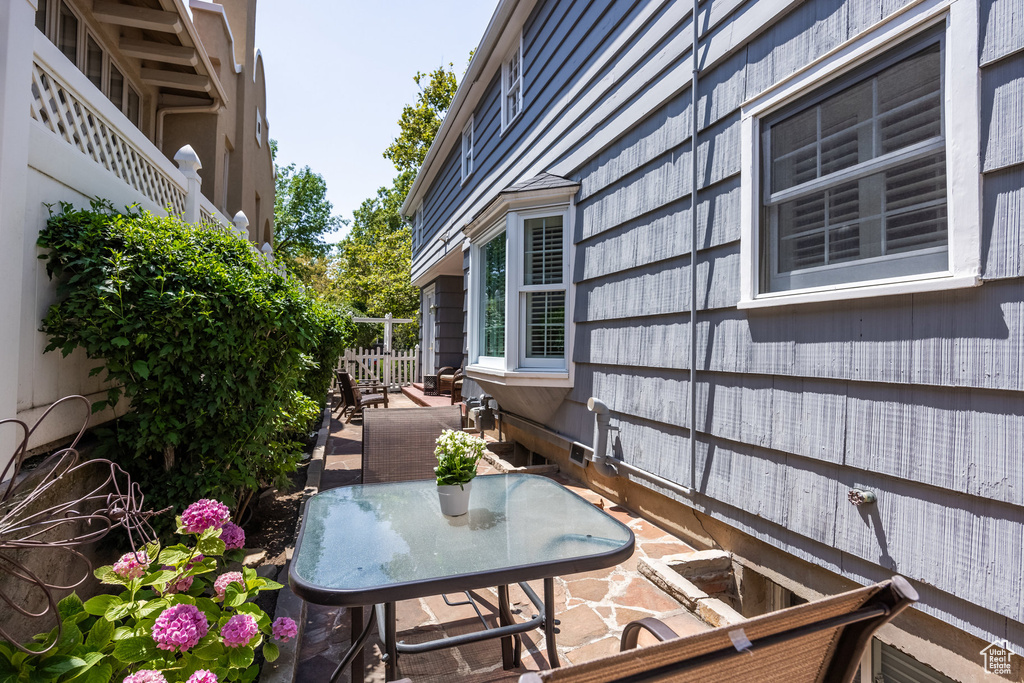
(221, 584)
(178, 584)
(202, 676)
(179, 627)
(239, 630)
(204, 514)
(132, 565)
(284, 629)
(146, 676)
(233, 536)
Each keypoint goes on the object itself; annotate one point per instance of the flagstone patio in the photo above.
(592, 607)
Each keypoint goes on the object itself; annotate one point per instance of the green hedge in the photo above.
(225, 362)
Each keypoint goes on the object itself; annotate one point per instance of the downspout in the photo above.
(612, 467)
(693, 248)
(161, 114)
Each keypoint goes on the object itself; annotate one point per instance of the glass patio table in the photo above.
(375, 544)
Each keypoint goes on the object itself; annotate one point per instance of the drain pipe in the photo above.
(693, 247)
(612, 467)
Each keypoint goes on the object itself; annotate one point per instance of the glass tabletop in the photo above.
(361, 545)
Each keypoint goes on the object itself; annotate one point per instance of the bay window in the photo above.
(519, 294)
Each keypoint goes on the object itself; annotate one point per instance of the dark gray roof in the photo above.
(543, 181)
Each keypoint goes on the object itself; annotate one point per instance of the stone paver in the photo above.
(592, 607)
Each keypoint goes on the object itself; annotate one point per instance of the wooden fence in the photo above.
(373, 364)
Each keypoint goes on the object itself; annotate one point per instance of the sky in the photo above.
(340, 71)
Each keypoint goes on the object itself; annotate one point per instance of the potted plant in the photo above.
(457, 455)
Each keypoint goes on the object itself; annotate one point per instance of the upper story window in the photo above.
(67, 31)
(850, 183)
(417, 226)
(467, 150)
(259, 128)
(512, 85)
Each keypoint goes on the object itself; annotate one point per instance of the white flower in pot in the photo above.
(457, 456)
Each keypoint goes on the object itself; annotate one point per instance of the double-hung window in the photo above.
(851, 188)
(520, 296)
(512, 85)
(467, 150)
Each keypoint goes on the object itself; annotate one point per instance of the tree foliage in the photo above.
(376, 257)
(421, 120)
(224, 360)
(302, 214)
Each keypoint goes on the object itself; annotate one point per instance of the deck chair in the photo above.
(817, 642)
(355, 398)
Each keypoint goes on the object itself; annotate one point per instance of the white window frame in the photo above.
(507, 120)
(468, 153)
(514, 368)
(962, 139)
(417, 225)
(259, 128)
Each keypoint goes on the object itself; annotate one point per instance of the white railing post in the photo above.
(188, 162)
(241, 222)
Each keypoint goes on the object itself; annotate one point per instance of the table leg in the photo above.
(390, 643)
(549, 622)
(357, 627)
(511, 646)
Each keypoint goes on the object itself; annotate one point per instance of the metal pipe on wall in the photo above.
(694, 99)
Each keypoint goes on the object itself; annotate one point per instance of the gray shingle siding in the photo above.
(916, 396)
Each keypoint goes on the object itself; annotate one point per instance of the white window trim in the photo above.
(963, 154)
(417, 224)
(259, 128)
(505, 120)
(509, 369)
(467, 169)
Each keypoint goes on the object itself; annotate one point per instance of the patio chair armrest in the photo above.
(652, 625)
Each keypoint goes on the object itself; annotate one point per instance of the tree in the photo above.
(420, 122)
(376, 256)
(302, 214)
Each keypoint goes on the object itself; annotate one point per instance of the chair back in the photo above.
(817, 642)
(347, 391)
(398, 444)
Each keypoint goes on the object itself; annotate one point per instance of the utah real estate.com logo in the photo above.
(997, 658)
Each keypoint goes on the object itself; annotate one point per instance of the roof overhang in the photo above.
(486, 62)
(520, 196)
(176, 60)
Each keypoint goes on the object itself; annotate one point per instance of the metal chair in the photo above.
(817, 642)
(398, 445)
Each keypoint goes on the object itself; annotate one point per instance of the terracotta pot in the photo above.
(454, 499)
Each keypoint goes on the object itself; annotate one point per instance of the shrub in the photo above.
(212, 347)
(168, 623)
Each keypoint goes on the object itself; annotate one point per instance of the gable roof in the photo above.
(485, 64)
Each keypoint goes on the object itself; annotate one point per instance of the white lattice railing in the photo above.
(372, 364)
(70, 118)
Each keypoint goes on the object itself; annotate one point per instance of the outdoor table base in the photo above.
(382, 543)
